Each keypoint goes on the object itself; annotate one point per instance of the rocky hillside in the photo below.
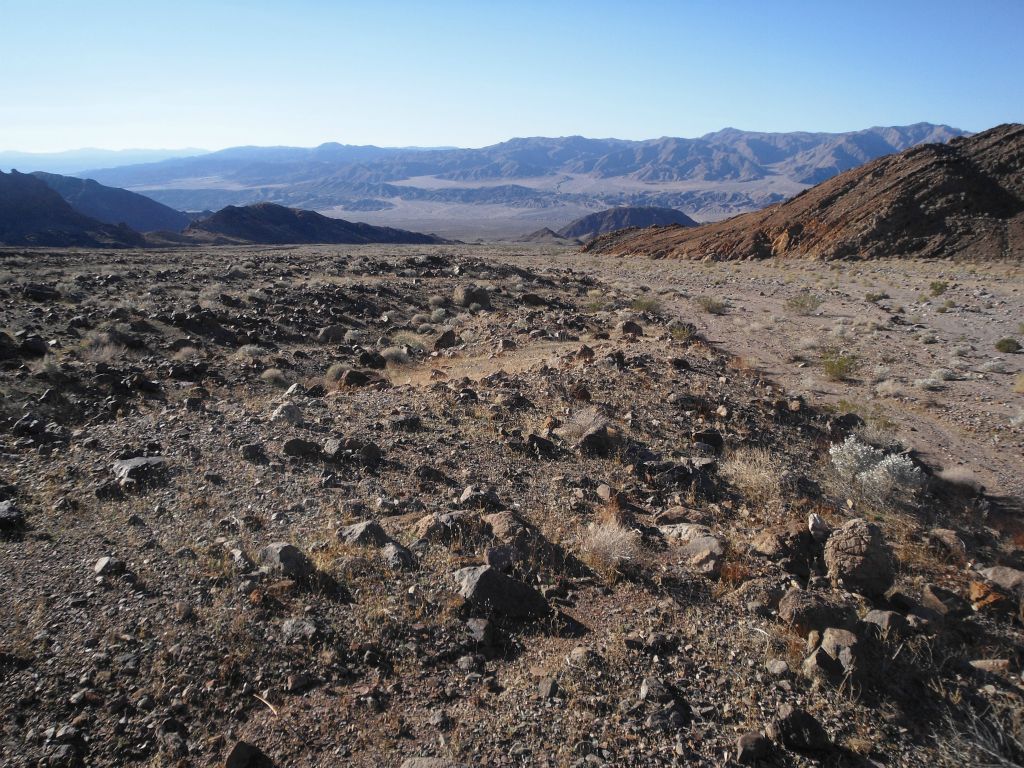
(625, 217)
(115, 206)
(964, 198)
(31, 213)
(409, 507)
(267, 223)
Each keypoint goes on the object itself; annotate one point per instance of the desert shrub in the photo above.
(895, 475)
(274, 377)
(334, 374)
(596, 301)
(609, 547)
(248, 352)
(395, 355)
(930, 384)
(682, 331)
(874, 297)
(413, 341)
(872, 473)
(419, 319)
(756, 473)
(804, 303)
(437, 315)
(1008, 345)
(839, 365)
(852, 457)
(938, 287)
(436, 302)
(1018, 384)
(647, 304)
(711, 305)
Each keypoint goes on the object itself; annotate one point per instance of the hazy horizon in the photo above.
(116, 75)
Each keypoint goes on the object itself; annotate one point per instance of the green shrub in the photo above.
(1008, 345)
(804, 303)
(646, 304)
(839, 365)
(938, 287)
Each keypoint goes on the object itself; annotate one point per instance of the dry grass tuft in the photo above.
(608, 548)
(755, 473)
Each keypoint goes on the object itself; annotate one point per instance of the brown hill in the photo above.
(272, 224)
(623, 217)
(964, 198)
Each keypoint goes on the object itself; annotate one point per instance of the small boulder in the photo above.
(446, 340)
(287, 413)
(144, 469)
(858, 558)
(332, 334)
(367, 533)
(285, 559)
(798, 730)
(944, 602)
(1005, 577)
(301, 449)
(489, 589)
(751, 747)
(397, 557)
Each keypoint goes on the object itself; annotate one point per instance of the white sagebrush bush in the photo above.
(879, 476)
(892, 476)
(853, 457)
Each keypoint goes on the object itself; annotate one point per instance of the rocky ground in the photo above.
(434, 506)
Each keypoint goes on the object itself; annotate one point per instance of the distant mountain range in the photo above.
(77, 160)
(543, 181)
(963, 198)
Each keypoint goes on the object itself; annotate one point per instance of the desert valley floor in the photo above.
(507, 506)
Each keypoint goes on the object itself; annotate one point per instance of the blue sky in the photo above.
(112, 74)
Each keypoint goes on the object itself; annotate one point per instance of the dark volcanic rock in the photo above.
(493, 591)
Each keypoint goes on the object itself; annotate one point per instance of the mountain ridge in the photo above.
(708, 177)
(114, 205)
(31, 213)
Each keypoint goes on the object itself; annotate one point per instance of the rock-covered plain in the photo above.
(421, 506)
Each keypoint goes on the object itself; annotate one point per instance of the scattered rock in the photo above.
(491, 590)
(858, 558)
(286, 560)
(798, 730)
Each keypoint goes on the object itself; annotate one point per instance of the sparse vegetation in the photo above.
(608, 547)
(839, 365)
(756, 473)
(1008, 346)
(649, 304)
(872, 473)
(938, 287)
(711, 305)
(804, 303)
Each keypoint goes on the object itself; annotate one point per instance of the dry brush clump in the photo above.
(608, 548)
(756, 473)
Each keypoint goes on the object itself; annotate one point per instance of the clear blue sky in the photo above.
(146, 73)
